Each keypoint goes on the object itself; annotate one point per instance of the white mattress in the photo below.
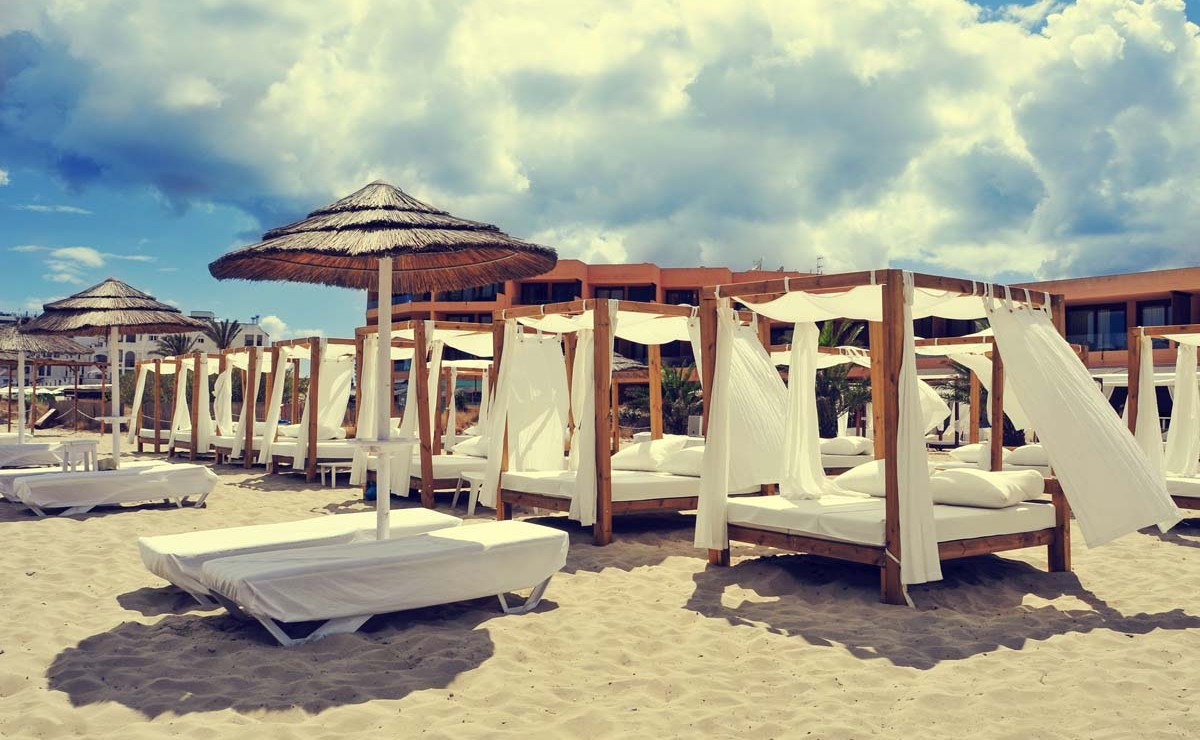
(8, 437)
(448, 565)
(951, 464)
(163, 433)
(861, 521)
(30, 454)
(1183, 485)
(450, 466)
(9, 477)
(127, 485)
(627, 485)
(845, 461)
(327, 449)
(227, 440)
(178, 558)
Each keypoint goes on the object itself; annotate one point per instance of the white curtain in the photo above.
(1183, 436)
(583, 441)
(982, 368)
(694, 338)
(222, 398)
(1110, 484)
(205, 425)
(1147, 431)
(711, 524)
(802, 476)
(450, 438)
(366, 421)
(249, 405)
(485, 402)
(135, 410)
(919, 559)
(279, 373)
(328, 402)
(498, 418)
(181, 417)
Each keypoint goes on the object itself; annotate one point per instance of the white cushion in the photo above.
(986, 489)
(648, 456)
(971, 453)
(289, 431)
(475, 447)
(688, 461)
(1028, 455)
(849, 445)
(866, 478)
(292, 431)
(471, 431)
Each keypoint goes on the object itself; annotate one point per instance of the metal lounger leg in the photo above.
(71, 511)
(457, 491)
(530, 603)
(339, 626)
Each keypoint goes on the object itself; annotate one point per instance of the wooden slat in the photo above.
(602, 530)
(1187, 502)
(997, 543)
(1160, 331)
(976, 395)
(802, 283)
(864, 554)
(420, 376)
(250, 396)
(876, 339)
(534, 500)
(1059, 551)
(648, 505)
(654, 371)
(996, 446)
(157, 405)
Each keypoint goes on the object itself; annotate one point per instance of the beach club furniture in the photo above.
(893, 514)
(342, 586)
(79, 493)
(331, 470)
(79, 454)
(30, 454)
(1179, 459)
(179, 558)
(8, 478)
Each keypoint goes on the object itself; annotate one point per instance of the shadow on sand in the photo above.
(981, 605)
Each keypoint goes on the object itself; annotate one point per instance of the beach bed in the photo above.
(79, 493)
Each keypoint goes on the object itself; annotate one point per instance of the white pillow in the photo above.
(471, 431)
(688, 461)
(866, 478)
(288, 431)
(982, 488)
(329, 432)
(850, 445)
(1028, 455)
(971, 453)
(475, 447)
(647, 455)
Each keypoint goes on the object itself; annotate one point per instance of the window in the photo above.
(482, 293)
(258, 340)
(401, 298)
(961, 327)
(1097, 327)
(130, 360)
(642, 293)
(686, 296)
(781, 334)
(1155, 313)
(534, 294)
(464, 318)
(152, 337)
(249, 341)
(610, 291)
(130, 338)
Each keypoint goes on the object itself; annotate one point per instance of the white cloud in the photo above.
(39, 208)
(275, 327)
(1045, 138)
(4, 177)
(76, 265)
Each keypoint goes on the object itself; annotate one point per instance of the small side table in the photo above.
(474, 484)
(79, 452)
(333, 468)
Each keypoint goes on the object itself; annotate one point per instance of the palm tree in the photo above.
(224, 332)
(681, 398)
(173, 345)
(836, 392)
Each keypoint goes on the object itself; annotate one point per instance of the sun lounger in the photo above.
(842, 463)
(8, 478)
(30, 454)
(1184, 490)
(343, 586)
(79, 493)
(178, 558)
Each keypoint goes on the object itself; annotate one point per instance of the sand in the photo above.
(639, 639)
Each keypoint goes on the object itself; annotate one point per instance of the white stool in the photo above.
(474, 481)
(79, 452)
(333, 468)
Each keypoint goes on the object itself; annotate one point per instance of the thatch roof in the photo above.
(111, 303)
(13, 341)
(341, 244)
(623, 364)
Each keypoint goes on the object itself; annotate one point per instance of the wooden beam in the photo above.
(1135, 377)
(602, 335)
(1162, 331)
(157, 404)
(294, 415)
(891, 359)
(996, 447)
(420, 376)
(196, 382)
(250, 396)
(708, 354)
(656, 397)
(876, 339)
(442, 406)
(864, 554)
(313, 402)
(976, 395)
(1059, 551)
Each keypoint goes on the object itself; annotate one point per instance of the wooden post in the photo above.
(497, 352)
(74, 403)
(996, 447)
(313, 402)
(891, 359)
(1135, 377)
(973, 422)
(708, 353)
(763, 326)
(270, 389)
(441, 410)
(103, 375)
(359, 340)
(420, 376)
(569, 342)
(1059, 551)
(249, 413)
(876, 338)
(503, 508)
(157, 406)
(31, 422)
(614, 406)
(195, 405)
(656, 397)
(602, 328)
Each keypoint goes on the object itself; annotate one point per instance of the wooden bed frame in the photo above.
(1135, 373)
(136, 414)
(887, 337)
(606, 508)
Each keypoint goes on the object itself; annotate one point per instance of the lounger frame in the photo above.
(179, 502)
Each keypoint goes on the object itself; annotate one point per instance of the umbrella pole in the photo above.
(21, 397)
(113, 372)
(383, 400)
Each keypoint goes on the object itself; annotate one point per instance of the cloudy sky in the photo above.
(143, 139)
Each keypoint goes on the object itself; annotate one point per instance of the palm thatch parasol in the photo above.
(107, 308)
(381, 236)
(13, 342)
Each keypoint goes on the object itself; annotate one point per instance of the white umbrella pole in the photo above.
(20, 397)
(383, 400)
(114, 336)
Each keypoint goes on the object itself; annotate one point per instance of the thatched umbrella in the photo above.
(381, 236)
(107, 308)
(14, 342)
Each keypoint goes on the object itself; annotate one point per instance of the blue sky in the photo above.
(996, 140)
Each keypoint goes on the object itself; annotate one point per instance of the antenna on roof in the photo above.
(758, 263)
(820, 268)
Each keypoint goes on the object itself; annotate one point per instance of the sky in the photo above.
(142, 140)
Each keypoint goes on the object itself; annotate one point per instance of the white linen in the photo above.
(985, 489)
(274, 406)
(688, 461)
(1183, 486)
(8, 478)
(648, 455)
(1182, 455)
(30, 454)
(802, 475)
(171, 481)
(181, 416)
(331, 399)
(447, 565)
(582, 459)
(847, 445)
(179, 558)
(249, 401)
(1034, 454)
(1147, 432)
(1112, 488)
(627, 485)
(862, 521)
(222, 397)
(135, 410)
(450, 438)
(844, 462)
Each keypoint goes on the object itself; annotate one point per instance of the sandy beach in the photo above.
(638, 639)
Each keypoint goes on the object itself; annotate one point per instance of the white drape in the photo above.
(204, 420)
(693, 330)
(222, 399)
(136, 409)
(328, 400)
(1147, 432)
(1111, 486)
(1183, 436)
(802, 476)
(366, 419)
(583, 442)
(274, 406)
(919, 558)
(249, 403)
(982, 368)
(181, 416)
(485, 402)
(450, 438)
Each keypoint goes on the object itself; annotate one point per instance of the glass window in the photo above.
(1155, 313)
(1097, 327)
(249, 341)
(565, 292)
(642, 293)
(683, 296)
(482, 293)
(611, 291)
(533, 294)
